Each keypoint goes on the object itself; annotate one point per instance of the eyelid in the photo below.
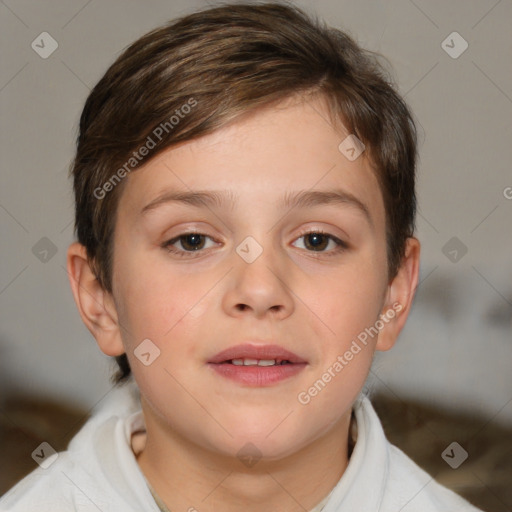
(322, 231)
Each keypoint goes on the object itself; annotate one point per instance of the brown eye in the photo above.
(188, 243)
(316, 241)
(192, 241)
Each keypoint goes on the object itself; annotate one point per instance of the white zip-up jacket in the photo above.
(99, 471)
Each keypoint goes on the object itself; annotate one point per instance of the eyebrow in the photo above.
(290, 200)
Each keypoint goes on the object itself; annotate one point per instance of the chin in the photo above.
(268, 443)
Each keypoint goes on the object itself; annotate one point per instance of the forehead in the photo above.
(260, 159)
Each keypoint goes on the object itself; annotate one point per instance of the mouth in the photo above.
(257, 365)
(251, 355)
(257, 362)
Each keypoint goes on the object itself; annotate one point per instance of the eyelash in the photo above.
(341, 245)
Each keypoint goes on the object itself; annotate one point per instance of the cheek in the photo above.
(169, 308)
(347, 307)
(347, 302)
(150, 302)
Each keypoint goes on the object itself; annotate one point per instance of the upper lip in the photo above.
(251, 351)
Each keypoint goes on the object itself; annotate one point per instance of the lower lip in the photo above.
(258, 375)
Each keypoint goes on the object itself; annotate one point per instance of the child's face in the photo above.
(194, 304)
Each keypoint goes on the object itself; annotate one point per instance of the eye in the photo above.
(189, 242)
(318, 241)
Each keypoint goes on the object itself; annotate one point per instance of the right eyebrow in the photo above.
(198, 198)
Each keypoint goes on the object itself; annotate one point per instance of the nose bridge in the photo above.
(259, 278)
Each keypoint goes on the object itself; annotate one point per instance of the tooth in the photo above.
(266, 362)
(253, 362)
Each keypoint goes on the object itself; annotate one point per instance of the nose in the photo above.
(260, 288)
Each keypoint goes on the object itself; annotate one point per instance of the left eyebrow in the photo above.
(300, 199)
(311, 198)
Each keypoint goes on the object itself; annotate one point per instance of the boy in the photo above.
(244, 186)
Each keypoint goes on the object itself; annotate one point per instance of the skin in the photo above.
(311, 302)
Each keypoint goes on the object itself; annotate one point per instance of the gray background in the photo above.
(456, 349)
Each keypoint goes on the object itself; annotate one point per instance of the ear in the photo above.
(95, 305)
(399, 297)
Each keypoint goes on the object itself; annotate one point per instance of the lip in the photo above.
(251, 351)
(253, 375)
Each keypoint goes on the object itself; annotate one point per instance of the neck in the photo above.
(188, 477)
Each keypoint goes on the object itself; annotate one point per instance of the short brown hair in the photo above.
(226, 61)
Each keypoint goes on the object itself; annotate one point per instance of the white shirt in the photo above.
(99, 471)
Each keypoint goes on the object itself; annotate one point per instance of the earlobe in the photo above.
(94, 303)
(400, 296)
